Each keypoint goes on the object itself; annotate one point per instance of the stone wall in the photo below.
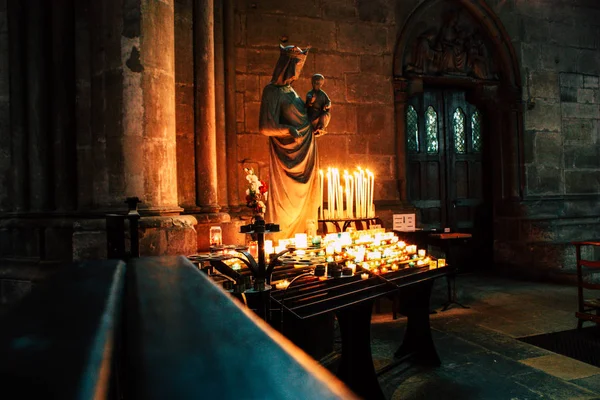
(352, 44)
(557, 43)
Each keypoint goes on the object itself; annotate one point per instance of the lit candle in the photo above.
(371, 185)
(351, 206)
(357, 194)
(301, 240)
(282, 285)
(321, 179)
(384, 270)
(347, 188)
(352, 266)
(330, 199)
(441, 262)
(253, 249)
(268, 247)
(421, 253)
(364, 276)
(216, 236)
(394, 267)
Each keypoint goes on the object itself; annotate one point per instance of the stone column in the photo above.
(17, 89)
(83, 106)
(62, 104)
(230, 111)
(220, 123)
(38, 81)
(148, 115)
(204, 97)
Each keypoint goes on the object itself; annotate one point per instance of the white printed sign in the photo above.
(404, 222)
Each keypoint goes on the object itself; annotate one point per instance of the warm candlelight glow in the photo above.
(282, 285)
(352, 199)
(364, 276)
(301, 240)
(216, 236)
(268, 247)
(421, 253)
(441, 262)
(321, 180)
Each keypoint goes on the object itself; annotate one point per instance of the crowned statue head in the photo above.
(289, 66)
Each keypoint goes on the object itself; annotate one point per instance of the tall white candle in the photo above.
(340, 196)
(330, 200)
(347, 189)
(358, 185)
(372, 209)
(321, 179)
(351, 206)
(363, 194)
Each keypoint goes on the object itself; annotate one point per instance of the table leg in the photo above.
(356, 367)
(451, 282)
(417, 344)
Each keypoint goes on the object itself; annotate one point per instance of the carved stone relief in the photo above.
(453, 46)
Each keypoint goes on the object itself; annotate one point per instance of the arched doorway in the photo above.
(458, 118)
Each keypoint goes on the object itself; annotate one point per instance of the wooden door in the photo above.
(444, 160)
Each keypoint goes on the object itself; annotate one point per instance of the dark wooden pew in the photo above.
(157, 328)
(60, 342)
(186, 338)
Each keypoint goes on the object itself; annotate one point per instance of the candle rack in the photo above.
(342, 224)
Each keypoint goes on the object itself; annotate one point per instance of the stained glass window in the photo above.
(476, 131)
(412, 129)
(431, 128)
(458, 125)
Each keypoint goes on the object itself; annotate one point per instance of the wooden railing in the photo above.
(168, 332)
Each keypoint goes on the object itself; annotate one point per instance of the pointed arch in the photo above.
(493, 29)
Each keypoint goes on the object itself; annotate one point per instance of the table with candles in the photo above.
(343, 273)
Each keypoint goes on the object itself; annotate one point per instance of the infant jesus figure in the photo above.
(318, 105)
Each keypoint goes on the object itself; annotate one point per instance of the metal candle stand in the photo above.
(258, 297)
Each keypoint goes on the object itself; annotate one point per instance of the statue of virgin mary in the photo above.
(294, 191)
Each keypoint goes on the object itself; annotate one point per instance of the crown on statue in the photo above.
(294, 51)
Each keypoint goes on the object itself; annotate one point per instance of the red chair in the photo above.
(589, 309)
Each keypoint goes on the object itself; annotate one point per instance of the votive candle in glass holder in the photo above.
(421, 253)
(364, 276)
(253, 249)
(394, 267)
(441, 262)
(301, 240)
(268, 247)
(282, 285)
(216, 236)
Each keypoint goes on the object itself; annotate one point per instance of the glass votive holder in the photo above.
(441, 262)
(216, 236)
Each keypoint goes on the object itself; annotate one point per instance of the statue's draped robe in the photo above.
(293, 191)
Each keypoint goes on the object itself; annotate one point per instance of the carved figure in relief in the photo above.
(318, 105)
(451, 50)
(478, 60)
(424, 56)
(451, 44)
(294, 193)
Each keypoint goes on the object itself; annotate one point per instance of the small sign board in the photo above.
(404, 222)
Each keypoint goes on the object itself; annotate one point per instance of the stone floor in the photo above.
(481, 357)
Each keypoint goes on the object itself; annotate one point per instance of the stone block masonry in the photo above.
(351, 45)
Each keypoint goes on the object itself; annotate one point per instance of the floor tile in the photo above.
(562, 367)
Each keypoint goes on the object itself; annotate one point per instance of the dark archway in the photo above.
(423, 61)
